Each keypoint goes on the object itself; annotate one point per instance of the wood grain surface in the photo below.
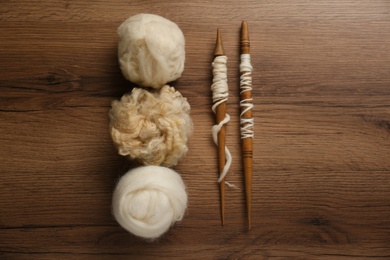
(321, 170)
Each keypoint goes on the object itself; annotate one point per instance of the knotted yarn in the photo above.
(148, 200)
(151, 127)
(151, 50)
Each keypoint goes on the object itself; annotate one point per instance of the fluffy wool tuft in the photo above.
(151, 127)
(151, 50)
(148, 200)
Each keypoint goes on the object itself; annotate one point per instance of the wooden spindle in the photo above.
(247, 143)
(220, 115)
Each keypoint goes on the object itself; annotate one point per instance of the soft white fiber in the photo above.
(246, 104)
(150, 50)
(148, 200)
(151, 127)
(220, 92)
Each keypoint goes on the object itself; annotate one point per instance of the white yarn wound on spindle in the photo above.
(151, 50)
(246, 105)
(148, 200)
(220, 94)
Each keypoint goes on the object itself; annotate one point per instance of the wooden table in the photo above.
(321, 182)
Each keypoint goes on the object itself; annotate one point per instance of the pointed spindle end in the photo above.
(222, 190)
(244, 31)
(245, 44)
(249, 213)
(219, 51)
(249, 223)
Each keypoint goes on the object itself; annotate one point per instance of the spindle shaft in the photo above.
(246, 113)
(220, 115)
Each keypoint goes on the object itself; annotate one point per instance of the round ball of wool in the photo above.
(150, 50)
(151, 127)
(148, 200)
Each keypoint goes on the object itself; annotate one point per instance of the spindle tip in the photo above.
(219, 51)
(249, 223)
(245, 44)
(244, 30)
(222, 190)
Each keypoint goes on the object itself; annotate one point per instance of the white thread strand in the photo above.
(246, 105)
(220, 92)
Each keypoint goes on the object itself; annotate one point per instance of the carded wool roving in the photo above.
(151, 50)
(151, 127)
(148, 200)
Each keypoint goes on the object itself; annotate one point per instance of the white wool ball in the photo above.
(148, 200)
(150, 50)
(151, 127)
